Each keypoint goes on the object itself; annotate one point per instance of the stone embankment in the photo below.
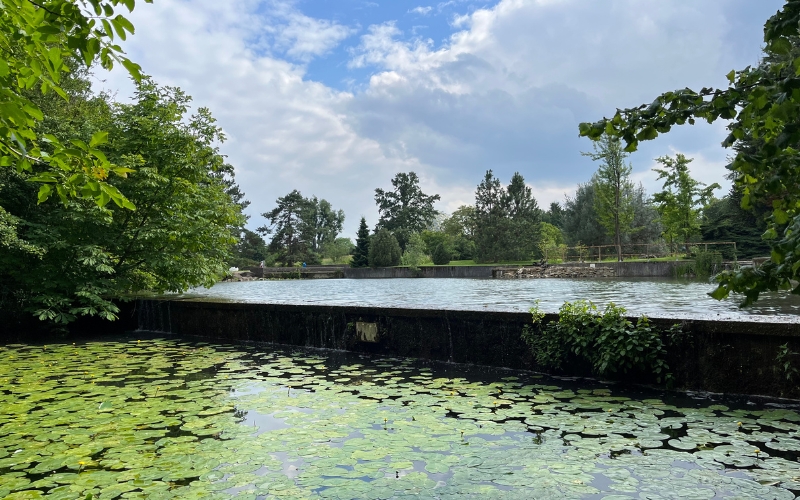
(555, 272)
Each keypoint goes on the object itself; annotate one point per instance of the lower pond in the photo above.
(653, 297)
(165, 418)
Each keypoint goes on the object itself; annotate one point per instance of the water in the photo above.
(159, 418)
(654, 297)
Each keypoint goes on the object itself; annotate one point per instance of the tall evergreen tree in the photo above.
(384, 251)
(361, 252)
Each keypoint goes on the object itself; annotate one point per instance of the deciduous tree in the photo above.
(405, 209)
(762, 105)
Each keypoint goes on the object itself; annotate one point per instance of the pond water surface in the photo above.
(162, 418)
(654, 297)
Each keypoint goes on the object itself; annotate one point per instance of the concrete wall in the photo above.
(719, 356)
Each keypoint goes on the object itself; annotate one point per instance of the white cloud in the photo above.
(505, 92)
(422, 11)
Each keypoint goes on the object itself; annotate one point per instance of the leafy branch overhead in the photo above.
(38, 41)
(762, 105)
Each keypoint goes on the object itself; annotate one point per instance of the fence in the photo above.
(634, 251)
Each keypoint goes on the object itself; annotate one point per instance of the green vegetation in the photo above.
(384, 251)
(75, 257)
(406, 209)
(613, 190)
(301, 228)
(606, 342)
(762, 107)
(40, 45)
(682, 200)
(172, 419)
(361, 252)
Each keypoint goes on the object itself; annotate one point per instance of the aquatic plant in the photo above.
(607, 342)
(191, 420)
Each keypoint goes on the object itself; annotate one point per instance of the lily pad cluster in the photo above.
(163, 418)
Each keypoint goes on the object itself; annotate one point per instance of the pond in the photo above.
(653, 297)
(163, 418)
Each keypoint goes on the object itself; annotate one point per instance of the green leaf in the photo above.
(44, 193)
(98, 138)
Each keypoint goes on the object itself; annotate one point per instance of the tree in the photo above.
(490, 219)
(762, 105)
(646, 226)
(250, 249)
(361, 252)
(384, 251)
(321, 222)
(726, 220)
(38, 42)
(613, 187)
(415, 253)
(506, 220)
(73, 259)
(682, 200)
(406, 209)
(301, 227)
(286, 228)
(581, 225)
(554, 215)
(524, 218)
(551, 242)
(337, 249)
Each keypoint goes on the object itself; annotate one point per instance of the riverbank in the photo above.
(653, 269)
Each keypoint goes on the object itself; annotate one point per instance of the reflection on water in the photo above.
(662, 297)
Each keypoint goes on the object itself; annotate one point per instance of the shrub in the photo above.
(414, 256)
(607, 342)
(442, 253)
(384, 251)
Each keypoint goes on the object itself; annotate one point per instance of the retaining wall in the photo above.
(423, 272)
(719, 355)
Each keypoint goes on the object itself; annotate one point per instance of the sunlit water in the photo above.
(150, 418)
(663, 297)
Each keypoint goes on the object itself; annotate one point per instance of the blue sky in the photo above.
(333, 97)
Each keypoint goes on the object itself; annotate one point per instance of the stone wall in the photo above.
(554, 272)
(719, 355)
(423, 272)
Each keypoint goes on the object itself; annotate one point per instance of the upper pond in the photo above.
(654, 297)
(163, 418)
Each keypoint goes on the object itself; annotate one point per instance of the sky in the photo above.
(334, 97)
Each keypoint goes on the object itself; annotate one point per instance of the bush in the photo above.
(442, 254)
(414, 256)
(607, 342)
(384, 251)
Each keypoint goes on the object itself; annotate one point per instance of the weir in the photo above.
(738, 356)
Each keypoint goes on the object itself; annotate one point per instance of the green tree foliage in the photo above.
(613, 188)
(338, 249)
(555, 215)
(415, 253)
(250, 249)
(361, 252)
(442, 246)
(323, 223)
(384, 251)
(726, 220)
(37, 41)
(506, 220)
(762, 105)
(646, 225)
(71, 259)
(581, 225)
(681, 202)
(406, 209)
(301, 227)
(551, 242)
(460, 226)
